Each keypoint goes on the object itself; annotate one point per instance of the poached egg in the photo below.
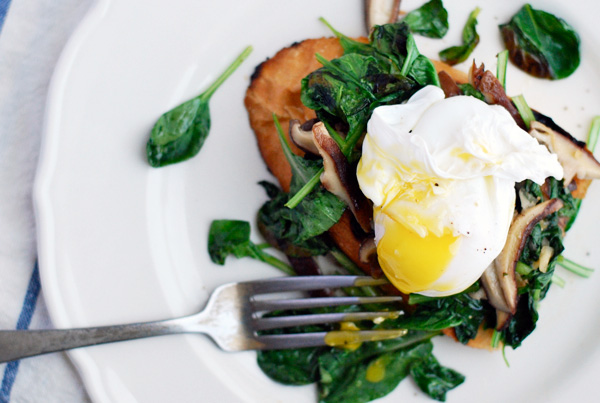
(441, 174)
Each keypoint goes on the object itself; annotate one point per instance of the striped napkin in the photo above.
(32, 35)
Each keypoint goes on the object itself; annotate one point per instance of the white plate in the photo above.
(121, 242)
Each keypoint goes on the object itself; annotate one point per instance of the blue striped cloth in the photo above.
(31, 294)
(29, 303)
(32, 35)
(4, 5)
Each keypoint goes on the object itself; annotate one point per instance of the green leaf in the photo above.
(228, 237)
(179, 134)
(460, 311)
(430, 20)
(541, 44)
(280, 223)
(423, 72)
(297, 366)
(319, 209)
(232, 237)
(291, 367)
(435, 379)
(522, 323)
(468, 89)
(337, 90)
(470, 38)
(391, 40)
(352, 377)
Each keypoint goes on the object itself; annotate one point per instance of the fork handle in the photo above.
(17, 344)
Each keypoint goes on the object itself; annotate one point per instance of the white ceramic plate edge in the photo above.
(41, 199)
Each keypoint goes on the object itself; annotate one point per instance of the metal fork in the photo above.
(232, 318)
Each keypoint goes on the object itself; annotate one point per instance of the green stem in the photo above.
(524, 110)
(229, 71)
(335, 31)
(335, 135)
(593, 134)
(504, 356)
(278, 264)
(559, 281)
(305, 190)
(287, 151)
(574, 267)
(523, 269)
(348, 146)
(495, 338)
(501, 67)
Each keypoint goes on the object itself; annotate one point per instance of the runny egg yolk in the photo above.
(423, 259)
(441, 176)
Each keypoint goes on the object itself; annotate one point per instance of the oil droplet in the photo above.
(350, 327)
(345, 338)
(376, 369)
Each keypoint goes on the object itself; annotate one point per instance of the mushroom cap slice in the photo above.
(339, 177)
(302, 135)
(451, 89)
(572, 154)
(379, 12)
(368, 255)
(499, 279)
(493, 91)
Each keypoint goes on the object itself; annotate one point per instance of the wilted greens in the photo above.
(369, 372)
(180, 133)
(232, 237)
(541, 44)
(470, 38)
(430, 20)
(387, 70)
(343, 93)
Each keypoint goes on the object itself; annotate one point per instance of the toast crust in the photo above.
(275, 88)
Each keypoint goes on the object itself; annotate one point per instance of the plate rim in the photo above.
(86, 369)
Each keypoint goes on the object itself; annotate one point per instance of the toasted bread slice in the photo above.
(275, 89)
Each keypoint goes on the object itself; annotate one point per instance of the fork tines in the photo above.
(307, 283)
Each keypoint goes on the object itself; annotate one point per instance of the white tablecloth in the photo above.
(32, 35)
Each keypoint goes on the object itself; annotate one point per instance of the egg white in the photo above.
(447, 166)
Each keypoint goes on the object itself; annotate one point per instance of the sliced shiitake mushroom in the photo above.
(486, 82)
(449, 86)
(368, 255)
(302, 136)
(499, 280)
(572, 154)
(340, 179)
(379, 12)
